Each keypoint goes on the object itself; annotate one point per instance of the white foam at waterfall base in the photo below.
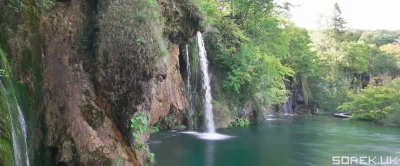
(208, 136)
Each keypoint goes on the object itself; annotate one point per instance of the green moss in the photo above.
(93, 116)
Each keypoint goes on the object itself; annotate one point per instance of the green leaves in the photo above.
(240, 122)
(257, 73)
(374, 103)
(138, 125)
(154, 129)
(140, 41)
(355, 57)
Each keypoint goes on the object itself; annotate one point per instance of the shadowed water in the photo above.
(299, 141)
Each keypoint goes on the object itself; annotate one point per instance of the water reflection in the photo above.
(209, 153)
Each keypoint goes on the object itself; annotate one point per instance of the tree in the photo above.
(338, 23)
(300, 57)
(385, 64)
(378, 104)
(379, 37)
(355, 59)
(352, 35)
(392, 49)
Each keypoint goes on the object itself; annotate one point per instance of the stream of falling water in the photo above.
(188, 72)
(206, 85)
(19, 133)
(210, 133)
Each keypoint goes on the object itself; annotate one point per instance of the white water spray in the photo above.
(206, 85)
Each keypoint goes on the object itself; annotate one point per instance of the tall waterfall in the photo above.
(18, 127)
(188, 72)
(206, 85)
(210, 133)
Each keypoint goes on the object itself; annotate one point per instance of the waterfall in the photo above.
(21, 120)
(287, 107)
(188, 72)
(18, 127)
(206, 85)
(210, 133)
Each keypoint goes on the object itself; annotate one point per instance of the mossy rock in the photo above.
(92, 115)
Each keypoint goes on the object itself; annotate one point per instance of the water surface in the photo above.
(298, 141)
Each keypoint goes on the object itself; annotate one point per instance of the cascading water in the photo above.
(287, 107)
(206, 85)
(188, 72)
(18, 127)
(21, 120)
(209, 117)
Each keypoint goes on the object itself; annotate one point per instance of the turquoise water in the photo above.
(295, 141)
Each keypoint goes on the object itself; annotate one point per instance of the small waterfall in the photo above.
(21, 120)
(206, 85)
(287, 107)
(18, 127)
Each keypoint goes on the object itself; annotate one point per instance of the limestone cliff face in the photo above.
(171, 105)
(77, 128)
(90, 66)
(105, 62)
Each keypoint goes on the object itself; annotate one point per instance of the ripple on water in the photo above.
(208, 136)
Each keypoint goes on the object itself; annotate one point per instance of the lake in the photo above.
(296, 141)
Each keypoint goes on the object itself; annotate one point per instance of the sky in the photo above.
(359, 14)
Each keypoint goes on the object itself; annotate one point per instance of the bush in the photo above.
(240, 122)
(153, 129)
(378, 104)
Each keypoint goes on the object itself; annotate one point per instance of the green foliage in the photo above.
(119, 161)
(379, 37)
(3, 73)
(338, 23)
(138, 125)
(152, 157)
(140, 41)
(209, 9)
(355, 57)
(352, 35)
(240, 122)
(6, 149)
(6, 153)
(259, 74)
(153, 129)
(385, 64)
(19, 5)
(300, 57)
(378, 104)
(392, 49)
